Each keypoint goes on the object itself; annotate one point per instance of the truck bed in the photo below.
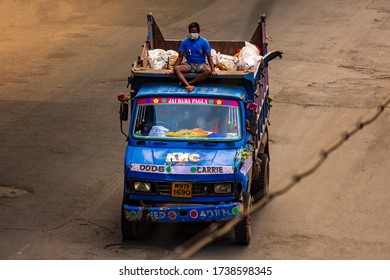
(156, 39)
(147, 71)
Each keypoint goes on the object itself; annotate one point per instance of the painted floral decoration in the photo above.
(123, 97)
(252, 106)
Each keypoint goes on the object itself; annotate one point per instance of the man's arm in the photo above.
(179, 59)
(211, 63)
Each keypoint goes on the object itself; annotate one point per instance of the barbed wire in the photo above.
(215, 230)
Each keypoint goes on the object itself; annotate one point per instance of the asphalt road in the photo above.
(64, 62)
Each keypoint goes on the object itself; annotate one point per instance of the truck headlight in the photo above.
(222, 188)
(142, 186)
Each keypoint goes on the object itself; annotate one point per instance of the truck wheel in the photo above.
(260, 186)
(130, 230)
(243, 230)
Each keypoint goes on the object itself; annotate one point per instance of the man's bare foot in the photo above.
(190, 88)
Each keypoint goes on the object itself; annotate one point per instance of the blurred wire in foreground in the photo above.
(215, 230)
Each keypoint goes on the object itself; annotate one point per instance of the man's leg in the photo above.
(179, 70)
(204, 73)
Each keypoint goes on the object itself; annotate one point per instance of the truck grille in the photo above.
(197, 189)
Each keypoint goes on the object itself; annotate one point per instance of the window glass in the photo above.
(187, 118)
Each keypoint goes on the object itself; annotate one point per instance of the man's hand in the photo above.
(214, 74)
(171, 73)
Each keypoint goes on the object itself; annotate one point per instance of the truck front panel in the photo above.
(183, 213)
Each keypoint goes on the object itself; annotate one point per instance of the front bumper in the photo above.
(183, 213)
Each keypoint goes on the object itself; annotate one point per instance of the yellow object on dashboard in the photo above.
(187, 133)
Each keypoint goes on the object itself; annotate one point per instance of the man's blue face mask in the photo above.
(193, 36)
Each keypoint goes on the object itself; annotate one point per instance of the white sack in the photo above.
(249, 57)
(227, 62)
(158, 58)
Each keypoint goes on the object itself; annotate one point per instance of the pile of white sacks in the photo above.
(248, 59)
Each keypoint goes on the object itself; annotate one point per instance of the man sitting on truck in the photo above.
(195, 49)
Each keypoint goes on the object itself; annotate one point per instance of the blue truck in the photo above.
(199, 156)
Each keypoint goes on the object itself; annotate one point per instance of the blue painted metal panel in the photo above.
(194, 199)
(233, 91)
(181, 157)
(176, 214)
(173, 164)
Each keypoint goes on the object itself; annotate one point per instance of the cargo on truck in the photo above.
(199, 156)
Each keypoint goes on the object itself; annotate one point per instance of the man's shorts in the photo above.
(195, 67)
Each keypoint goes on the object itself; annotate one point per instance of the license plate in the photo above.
(180, 189)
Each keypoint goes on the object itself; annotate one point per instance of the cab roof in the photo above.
(227, 91)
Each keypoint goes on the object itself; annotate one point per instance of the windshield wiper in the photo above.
(204, 142)
(160, 143)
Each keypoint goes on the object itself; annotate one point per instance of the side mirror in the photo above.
(124, 111)
(272, 55)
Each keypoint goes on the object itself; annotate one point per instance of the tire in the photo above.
(260, 186)
(243, 230)
(130, 230)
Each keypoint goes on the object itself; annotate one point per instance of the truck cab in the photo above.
(199, 156)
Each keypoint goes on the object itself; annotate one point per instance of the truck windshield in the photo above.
(206, 119)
